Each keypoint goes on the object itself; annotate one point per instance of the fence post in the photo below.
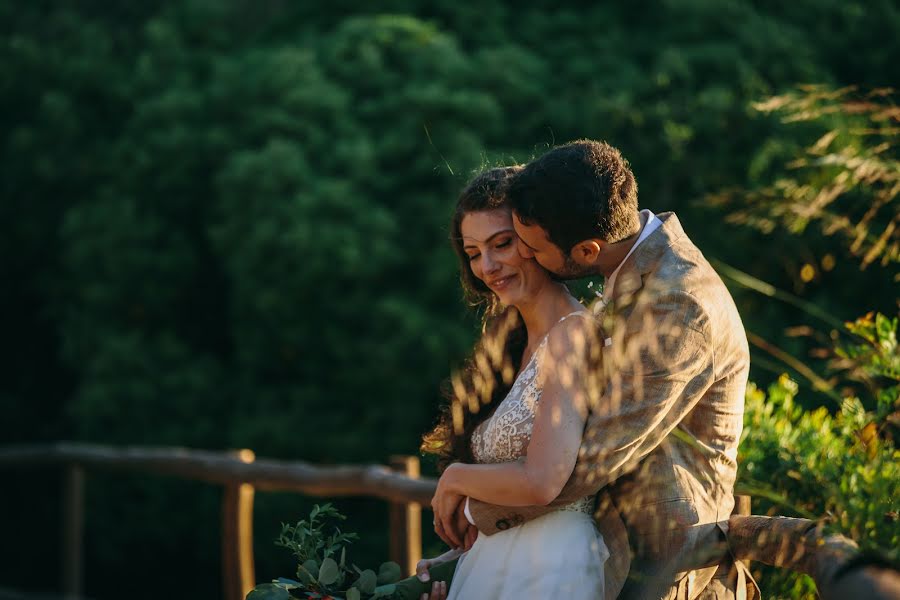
(406, 520)
(73, 531)
(238, 576)
(741, 505)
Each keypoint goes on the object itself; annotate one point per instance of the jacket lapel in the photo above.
(643, 260)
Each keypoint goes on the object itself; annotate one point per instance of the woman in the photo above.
(521, 396)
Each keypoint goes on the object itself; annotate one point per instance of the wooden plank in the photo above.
(741, 505)
(238, 576)
(72, 547)
(375, 481)
(406, 520)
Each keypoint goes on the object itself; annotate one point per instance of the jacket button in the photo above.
(502, 524)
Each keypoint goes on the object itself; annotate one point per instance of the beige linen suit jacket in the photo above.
(661, 437)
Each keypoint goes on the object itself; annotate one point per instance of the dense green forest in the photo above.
(224, 225)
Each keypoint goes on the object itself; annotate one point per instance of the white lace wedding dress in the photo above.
(557, 555)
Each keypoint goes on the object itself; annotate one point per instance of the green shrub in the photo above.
(841, 467)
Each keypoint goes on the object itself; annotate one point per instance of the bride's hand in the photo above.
(445, 502)
(438, 591)
(422, 568)
(425, 564)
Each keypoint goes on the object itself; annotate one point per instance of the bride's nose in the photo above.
(489, 264)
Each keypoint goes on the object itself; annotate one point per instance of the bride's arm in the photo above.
(451, 554)
(556, 435)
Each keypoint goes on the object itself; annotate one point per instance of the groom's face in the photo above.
(534, 243)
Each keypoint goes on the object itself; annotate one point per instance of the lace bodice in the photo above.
(504, 436)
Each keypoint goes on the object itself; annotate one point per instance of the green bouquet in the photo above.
(323, 572)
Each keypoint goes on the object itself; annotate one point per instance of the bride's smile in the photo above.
(491, 246)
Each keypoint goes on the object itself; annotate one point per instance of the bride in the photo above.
(513, 427)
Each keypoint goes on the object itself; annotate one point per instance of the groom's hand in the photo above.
(456, 531)
(467, 531)
(448, 528)
(445, 504)
(470, 537)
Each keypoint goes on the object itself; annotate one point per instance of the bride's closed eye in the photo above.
(506, 243)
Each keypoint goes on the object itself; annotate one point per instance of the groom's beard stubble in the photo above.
(570, 270)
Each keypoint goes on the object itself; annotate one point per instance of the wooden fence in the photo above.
(796, 544)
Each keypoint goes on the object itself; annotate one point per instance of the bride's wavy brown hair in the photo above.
(485, 378)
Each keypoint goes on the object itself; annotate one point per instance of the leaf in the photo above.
(311, 566)
(353, 594)
(366, 582)
(268, 591)
(328, 572)
(289, 584)
(305, 575)
(389, 572)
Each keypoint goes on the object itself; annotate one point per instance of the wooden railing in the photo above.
(240, 474)
(796, 544)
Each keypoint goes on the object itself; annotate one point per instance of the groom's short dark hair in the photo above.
(581, 190)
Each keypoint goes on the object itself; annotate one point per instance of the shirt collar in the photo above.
(651, 224)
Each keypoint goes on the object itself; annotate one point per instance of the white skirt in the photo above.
(557, 555)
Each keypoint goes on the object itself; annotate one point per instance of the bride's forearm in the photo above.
(449, 555)
(506, 484)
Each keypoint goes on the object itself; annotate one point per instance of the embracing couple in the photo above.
(587, 452)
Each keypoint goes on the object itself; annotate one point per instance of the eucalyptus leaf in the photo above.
(389, 572)
(366, 582)
(328, 572)
(305, 575)
(311, 565)
(289, 584)
(353, 594)
(268, 591)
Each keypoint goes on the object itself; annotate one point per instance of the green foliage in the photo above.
(307, 541)
(269, 591)
(224, 223)
(319, 575)
(848, 181)
(796, 457)
(843, 468)
(815, 464)
(873, 358)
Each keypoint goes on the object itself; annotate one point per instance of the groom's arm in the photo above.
(657, 366)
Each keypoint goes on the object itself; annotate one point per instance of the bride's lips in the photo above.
(501, 283)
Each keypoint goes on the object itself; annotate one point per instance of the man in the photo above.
(661, 439)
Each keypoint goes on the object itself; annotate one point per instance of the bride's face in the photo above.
(491, 244)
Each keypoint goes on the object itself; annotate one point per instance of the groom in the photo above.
(661, 439)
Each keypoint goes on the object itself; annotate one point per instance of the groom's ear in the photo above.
(587, 252)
